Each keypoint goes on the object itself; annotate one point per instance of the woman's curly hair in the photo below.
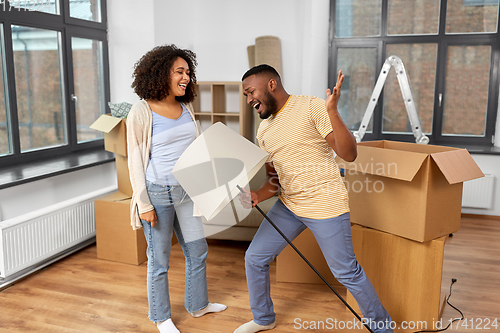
(152, 73)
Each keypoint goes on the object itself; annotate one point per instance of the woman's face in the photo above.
(179, 77)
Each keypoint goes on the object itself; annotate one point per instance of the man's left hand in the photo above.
(333, 96)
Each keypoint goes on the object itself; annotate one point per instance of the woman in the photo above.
(159, 128)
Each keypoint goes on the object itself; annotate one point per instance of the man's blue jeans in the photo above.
(174, 210)
(334, 238)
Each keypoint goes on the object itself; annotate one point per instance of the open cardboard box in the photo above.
(407, 189)
(115, 133)
(290, 267)
(115, 141)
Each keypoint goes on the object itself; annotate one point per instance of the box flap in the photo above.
(390, 163)
(378, 143)
(457, 166)
(105, 123)
(416, 148)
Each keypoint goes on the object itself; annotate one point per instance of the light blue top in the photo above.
(169, 139)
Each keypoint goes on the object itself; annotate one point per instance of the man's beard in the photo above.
(271, 106)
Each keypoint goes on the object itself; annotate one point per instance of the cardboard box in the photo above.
(290, 267)
(115, 133)
(122, 175)
(406, 274)
(115, 141)
(407, 189)
(116, 241)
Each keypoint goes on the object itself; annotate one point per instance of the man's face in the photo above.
(256, 89)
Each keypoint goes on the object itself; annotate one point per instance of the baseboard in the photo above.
(483, 217)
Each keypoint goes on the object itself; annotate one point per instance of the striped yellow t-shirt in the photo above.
(311, 185)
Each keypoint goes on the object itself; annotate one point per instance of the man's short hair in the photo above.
(260, 69)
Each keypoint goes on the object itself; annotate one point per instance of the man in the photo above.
(301, 134)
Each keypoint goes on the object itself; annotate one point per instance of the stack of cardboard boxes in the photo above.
(115, 238)
(405, 199)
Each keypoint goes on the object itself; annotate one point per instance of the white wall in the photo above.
(219, 32)
(131, 33)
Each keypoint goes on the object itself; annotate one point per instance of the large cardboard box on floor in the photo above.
(115, 141)
(116, 241)
(406, 274)
(407, 189)
(290, 267)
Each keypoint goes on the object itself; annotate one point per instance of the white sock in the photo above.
(253, 327)
(167, 326)
(211, 307)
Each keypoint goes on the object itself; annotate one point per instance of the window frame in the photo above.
(442, 40)
(68, 27)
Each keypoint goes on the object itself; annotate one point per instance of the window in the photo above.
(85, 9)
(43, 6)
(39, 87)
(358, 66)
(54, 82)
(420, 65)
(358, 18)
(467, 17)
(466, 66)
(5, 132)
(450, 50)
(413, 17)
(89, 83)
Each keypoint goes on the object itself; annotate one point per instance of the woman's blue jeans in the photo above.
(174, 210)
(334, 238)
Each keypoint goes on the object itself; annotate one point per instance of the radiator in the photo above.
(478, 193)
(33, 238)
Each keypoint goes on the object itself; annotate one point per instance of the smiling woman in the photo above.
(153, 71)
(160, 127)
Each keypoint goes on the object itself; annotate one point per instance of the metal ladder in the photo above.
(404, 84)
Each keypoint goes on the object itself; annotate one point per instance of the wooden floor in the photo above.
(85, 294)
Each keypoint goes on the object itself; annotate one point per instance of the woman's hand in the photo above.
(149, 217)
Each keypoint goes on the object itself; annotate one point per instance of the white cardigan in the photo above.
(139, 128)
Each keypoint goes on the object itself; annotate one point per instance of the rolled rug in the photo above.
(268, 51)
(251, 56)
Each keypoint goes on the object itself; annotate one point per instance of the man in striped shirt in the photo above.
(301, 135)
